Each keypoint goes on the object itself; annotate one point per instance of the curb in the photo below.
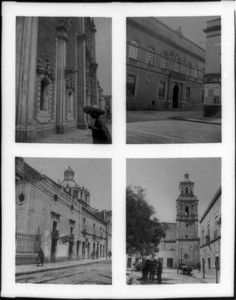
(56, 268)
(197, 121)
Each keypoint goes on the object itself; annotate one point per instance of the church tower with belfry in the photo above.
(187, 240)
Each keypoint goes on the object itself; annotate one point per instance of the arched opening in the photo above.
(44, 95)
(186, 211)
(175, 98)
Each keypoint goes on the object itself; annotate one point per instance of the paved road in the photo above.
(172, 131)
(97, 273)
(169, 276)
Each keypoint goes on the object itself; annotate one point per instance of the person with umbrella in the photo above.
(99, 129)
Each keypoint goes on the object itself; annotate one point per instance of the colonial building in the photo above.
(56, 74)
(210, 230)
(165, 70)
(212, 79)
(58, 218)
(181, 244)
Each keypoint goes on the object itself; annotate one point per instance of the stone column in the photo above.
(61, 36)
(26, 61)
(81, 74)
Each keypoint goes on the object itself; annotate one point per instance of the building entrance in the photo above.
(175, 97)
(53, 250)
(169, 262)
(71, 250)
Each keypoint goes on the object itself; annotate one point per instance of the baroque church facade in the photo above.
(58, 218)
(181, 244)
(56, 75)
(164, 69)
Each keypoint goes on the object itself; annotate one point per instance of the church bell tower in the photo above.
(187, 240)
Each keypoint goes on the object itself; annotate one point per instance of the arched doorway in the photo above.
(175, 98)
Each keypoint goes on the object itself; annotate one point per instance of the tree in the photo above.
(143, 231)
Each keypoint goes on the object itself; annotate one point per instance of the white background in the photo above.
(118, 151)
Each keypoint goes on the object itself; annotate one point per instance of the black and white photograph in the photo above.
(118, 140)
(63, 221)
(173, 89)
(63, 80)
(173, 221)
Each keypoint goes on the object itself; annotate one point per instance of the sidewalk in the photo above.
(209, 277)
(191, 116)
(30, 269)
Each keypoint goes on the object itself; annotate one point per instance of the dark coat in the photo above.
(100, 132)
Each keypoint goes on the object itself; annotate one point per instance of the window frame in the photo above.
(134, 85)
(160, 91)
(133, 50)
(163, 63)
(150, 56)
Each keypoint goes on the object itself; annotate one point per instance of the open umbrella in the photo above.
(93, 110)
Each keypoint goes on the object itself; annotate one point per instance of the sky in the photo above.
(93, 174)
(192, 27)
(160, 178)
(103, 52)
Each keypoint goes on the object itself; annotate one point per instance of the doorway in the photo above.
(175, 98)
(169, 262)
(71, 250)
(53, 250)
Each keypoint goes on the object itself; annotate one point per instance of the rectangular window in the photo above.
(161, 90)
(163, 62)
(187, 94)
(150, 57)
(130, 86)
(177, 67)
(188, 71)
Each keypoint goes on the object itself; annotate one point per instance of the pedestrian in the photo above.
(199, 267)
(40, 258)
(109, 254)
(98, 126)
(92, 254)
(153, 105)
(159, 271)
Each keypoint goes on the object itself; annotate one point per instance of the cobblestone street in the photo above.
(93, 273)
(169, 276)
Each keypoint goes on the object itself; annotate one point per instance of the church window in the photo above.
(150, 56)
(186, 190)
(21, 198)
(130, 86)
(133, 49)
(186, 211)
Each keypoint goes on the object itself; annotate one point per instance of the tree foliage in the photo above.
(143, 231)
